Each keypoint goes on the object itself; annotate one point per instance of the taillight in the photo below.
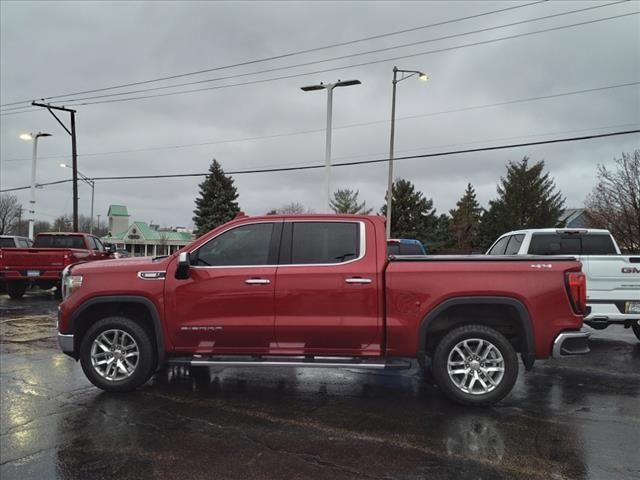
(66, 259)
(577, 287)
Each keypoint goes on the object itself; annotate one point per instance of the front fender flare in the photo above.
(111, 299)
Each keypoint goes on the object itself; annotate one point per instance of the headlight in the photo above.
(70, 283)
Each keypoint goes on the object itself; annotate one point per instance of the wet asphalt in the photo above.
(576, 418)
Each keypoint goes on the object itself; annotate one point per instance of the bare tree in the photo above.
(293, 208)
(614, 203)
(9, 211)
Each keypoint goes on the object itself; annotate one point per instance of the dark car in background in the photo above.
(405, 246)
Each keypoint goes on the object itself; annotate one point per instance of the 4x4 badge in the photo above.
(541, 265)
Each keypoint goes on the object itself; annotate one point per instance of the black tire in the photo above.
(636, 329)
(146, 359)
(473, 333)
(16, 289)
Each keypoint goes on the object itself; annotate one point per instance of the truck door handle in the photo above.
(358, 280)
(257, 281)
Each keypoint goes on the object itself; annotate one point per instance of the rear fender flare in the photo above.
(528, 355)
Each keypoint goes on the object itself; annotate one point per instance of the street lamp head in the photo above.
(25, 136)
(330, 86)
(347, 83)
(311, 88)
(423, 76)
(64, 165)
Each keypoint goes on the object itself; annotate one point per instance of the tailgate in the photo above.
(617, 274)
(23, 258)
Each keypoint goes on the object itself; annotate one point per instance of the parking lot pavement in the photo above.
(575, 418)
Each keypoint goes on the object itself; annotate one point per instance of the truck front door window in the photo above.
(241, 246)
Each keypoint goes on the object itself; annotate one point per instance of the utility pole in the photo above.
(98, 227)
(74, 152)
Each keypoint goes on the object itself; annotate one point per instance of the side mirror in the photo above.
(108, 249)
(182, 271)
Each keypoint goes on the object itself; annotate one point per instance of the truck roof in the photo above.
(62, 233)
(559, 230)
(309, 216)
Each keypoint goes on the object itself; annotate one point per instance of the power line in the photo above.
(361, 124)
(346, 164)
(373, 62)
(285, 55)
(283, 77)
(342, 57)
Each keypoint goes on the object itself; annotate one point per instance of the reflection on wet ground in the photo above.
(571, 419)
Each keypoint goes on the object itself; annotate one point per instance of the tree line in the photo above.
(14, 220)
(527, 197)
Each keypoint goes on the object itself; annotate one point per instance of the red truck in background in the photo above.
(321, 291)
(43, 263)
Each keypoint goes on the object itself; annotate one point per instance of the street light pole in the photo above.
(327, 154)
(405, 74)
(327, 149)
(34, 159)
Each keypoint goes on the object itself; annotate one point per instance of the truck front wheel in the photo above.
(117, 354)
(475, 365)
(16, 289)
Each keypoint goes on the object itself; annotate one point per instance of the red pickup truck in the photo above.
(43, 263)
(320, 291)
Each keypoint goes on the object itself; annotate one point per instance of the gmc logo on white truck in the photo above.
(630, 270)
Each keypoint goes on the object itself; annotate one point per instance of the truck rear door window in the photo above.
(598, 244)
(324, 242)
(241, 246)
(514, 244)
(59, 241)
(499, 247)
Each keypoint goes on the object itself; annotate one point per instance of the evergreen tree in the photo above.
(413, 215)
(440, 239)
(527, 198)
(217, 203)
(465, 222)
(346, 201)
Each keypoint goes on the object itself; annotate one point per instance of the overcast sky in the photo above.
(54, 48)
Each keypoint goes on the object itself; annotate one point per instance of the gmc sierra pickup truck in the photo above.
(43, 264)
(613, 280)
(320, 291)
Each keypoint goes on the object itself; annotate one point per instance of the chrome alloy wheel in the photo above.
(114, 355)
(475, 366)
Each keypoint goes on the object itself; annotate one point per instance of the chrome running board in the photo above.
(298, 361)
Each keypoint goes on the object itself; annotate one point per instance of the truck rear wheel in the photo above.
(117, 354)
(16, 289)
(636, 329)
(475, 365)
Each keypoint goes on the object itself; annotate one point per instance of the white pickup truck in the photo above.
(613, 280)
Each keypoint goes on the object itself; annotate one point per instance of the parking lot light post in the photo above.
(405, 74)
(34, 158)
(327, 154)
(89, 182)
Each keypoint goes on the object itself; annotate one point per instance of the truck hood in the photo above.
(121, 264)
